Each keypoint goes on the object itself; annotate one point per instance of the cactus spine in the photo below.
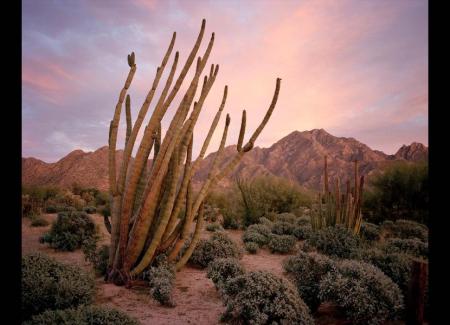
(335, 208)
(147, 201)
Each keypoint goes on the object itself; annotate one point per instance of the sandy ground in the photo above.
(197, 301)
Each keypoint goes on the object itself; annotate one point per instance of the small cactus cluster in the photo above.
(334, 207)
(153, 206)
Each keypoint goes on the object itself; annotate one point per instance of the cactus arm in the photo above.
(128, 118)
(242, 131)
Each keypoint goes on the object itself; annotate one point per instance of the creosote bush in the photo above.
(48, 284)
(263, 298)
(306, 271)
(214, 227)
(405, 229)
(251, 247)
(257, 233)
(414, 247)
(90, 209)
(222, 270)
(281, 243)
(70, 230)
(219, 245)
(397, 266)
(283, 228)
(335, 241)
(302, 232)
(84, 315)
(38, 221)
(285, 217)
(365, 294)
(161, 279)
(369, 231)
(98, 256)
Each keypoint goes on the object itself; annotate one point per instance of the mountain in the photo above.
(414, 152)
(297, 157)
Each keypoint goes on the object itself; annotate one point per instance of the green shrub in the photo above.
(266, 222)
(281, 243)
(251, 247)
(51, 209)
(405, 229)
(268, 194)
(285, 217)
(161, 279)
(98, 256)
(214, 227)
(369, 231)
(414, 247)
(335, 241)
(365, 294)
(302, 232)
(282, 228)
(85, 315)
(105, 210)
(263, 298)
(397, 266)
(400, 192)
(307, 270)
(48, 284)
(303, 221)
(219, 245)
(39, 221)
(222, 270)
(257, 233)
(230, 222)
(90, 209)
(70, 230)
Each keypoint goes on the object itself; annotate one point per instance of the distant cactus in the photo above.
(153, 208)
(335, 208)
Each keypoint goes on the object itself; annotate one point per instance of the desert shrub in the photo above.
(307, 270)
(369, 231)
(230, 221)
(400, 192)
(255, 237)
(219, 245)
(263, 298)
(161, 279)
(85, 315)
(98, 256)
(405, 229)
(268, 194)
(51, 209)
(257, 233)
(397, 266)
(285, 217)
(39, 221)
(281, 243)
(282, 228)
(105, 210)
(414, 247)
(335, 241)
(222, 270)
(48, 284)
(303, 221)
(266, 222)
(302, 232)
(214, 227)
(251, 247)
(70, 230)
(90, 209)
(365, 294)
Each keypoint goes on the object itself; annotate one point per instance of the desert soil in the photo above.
(197, 300)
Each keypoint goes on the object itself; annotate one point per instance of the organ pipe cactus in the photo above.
(335, 208)
(153, 207)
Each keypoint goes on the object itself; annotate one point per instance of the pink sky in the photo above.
(355, 68)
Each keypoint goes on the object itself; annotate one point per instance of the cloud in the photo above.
(355, 68)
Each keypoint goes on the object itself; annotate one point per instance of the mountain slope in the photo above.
(298, 157)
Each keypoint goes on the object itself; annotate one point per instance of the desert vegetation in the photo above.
(263, 251)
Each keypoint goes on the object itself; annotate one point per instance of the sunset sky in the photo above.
(355, 68)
